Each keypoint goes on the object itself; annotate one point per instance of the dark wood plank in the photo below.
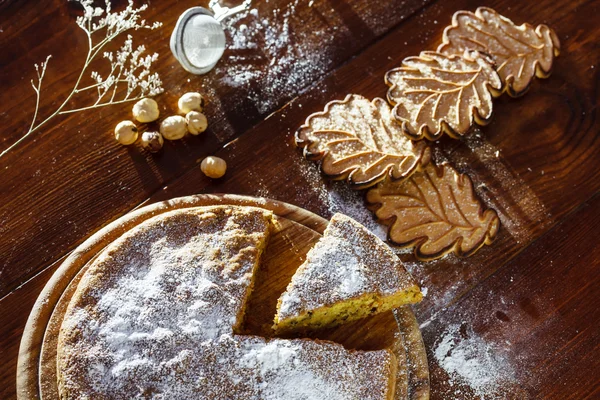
(14, 311)
(537, 317)
(71, 178)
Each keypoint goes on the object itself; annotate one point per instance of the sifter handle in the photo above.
(223, 12)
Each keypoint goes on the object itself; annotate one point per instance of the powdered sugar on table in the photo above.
(284, 64)
(472, 364)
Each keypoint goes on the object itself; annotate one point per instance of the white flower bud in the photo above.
(213, 167)
(173, 127)
(190, 102)
(196, 122)
(146, 110)
(126, 132)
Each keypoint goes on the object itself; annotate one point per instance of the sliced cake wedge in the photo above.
(349, 274)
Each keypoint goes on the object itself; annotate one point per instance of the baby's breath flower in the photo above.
(129, 68)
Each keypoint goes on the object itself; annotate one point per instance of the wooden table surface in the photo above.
(527, 307)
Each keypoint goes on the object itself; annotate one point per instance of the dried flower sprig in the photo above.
(129, 66)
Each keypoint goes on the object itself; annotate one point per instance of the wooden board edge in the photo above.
(416, 356)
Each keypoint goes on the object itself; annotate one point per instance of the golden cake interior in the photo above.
(349, 274)
(348, 310)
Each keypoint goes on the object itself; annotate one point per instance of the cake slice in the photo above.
(349, 274)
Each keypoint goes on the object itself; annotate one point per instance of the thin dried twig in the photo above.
(128, 65)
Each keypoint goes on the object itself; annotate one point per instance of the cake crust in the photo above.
(155, 316)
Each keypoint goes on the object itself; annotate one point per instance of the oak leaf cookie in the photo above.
(520, 52)
(437, 211)
(435, 93)
(359, 140)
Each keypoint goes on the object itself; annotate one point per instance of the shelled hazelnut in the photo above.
(213, 167)
(152, 141)
(126, 132)
(190, 102)
(196, 122)
(146, 110)
(173, 127)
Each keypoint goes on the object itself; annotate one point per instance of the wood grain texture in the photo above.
(545, 320)
(536, 164)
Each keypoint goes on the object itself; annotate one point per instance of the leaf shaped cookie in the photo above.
(436, 210)
(359, 140)
(520, 52)
(436, 93)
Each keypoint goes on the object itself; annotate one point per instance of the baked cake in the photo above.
(156, 314)
(349, 274)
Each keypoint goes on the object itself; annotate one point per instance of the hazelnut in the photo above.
(196, 122)
(173, 127)
(152, 141)
(146, 110)
(190, 102)
(126, 132)
(213, 167)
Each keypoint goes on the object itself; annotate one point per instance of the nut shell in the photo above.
(196, 122)
(146, 110)
(126, 132)
(173, 127)
(152, 141)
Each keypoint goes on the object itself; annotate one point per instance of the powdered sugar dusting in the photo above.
(297, 370)
(285, 63)
(346, 262)
(339, 197)
(469, 360)
(270, 357)
(155, 317)
(514, 201)
(342, 199)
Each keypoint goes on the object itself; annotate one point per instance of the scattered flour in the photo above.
(337, 196)
(469, 360)
(267, 49)
(343, 199)
(514, 201)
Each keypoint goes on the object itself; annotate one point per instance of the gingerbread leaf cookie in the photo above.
(436, 210)
(359, 140)
(436, 93)
(520, 52)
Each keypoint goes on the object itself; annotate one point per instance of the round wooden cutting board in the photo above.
(296, 231)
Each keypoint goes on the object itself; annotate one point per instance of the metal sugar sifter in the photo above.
(198, 40)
